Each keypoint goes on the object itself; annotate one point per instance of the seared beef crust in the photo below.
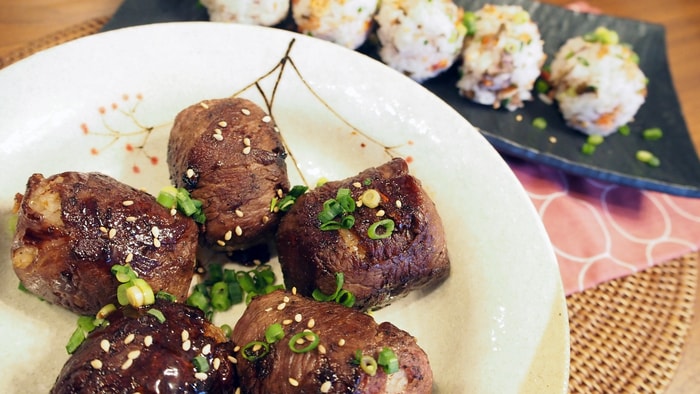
(229, 155)
(376, 270)
(342, 332)
(72, 227)
(161, 355)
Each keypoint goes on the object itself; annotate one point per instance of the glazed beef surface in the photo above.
(72, 227)
(331, 366)
(229, 155)
(376, 270)
(138, 353)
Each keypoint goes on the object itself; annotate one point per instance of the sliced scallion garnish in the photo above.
(304, 336)
(386, 226)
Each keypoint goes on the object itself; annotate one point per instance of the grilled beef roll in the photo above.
(137, 352)
(396, 244)
(227, 153)
(293, 344)
(73, 227)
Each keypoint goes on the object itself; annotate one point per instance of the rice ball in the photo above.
(256, 12)
(420, 38)
(501, 57)
(597, 82)
(344, 22)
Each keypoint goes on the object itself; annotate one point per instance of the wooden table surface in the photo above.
(27, 20)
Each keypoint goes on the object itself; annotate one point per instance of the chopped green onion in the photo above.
(542, 86)
(387, 359)
(21, 287)
(227, 330)
(198, 300)
(201, 364)
(652, 134)
(345, 298)
(469, 21)
(157, 314)
(164, 295)
(286, 202)
(368, 365)
(647, 157)
(179, 198)
(602, 35)
(539, 123)
(123, 273)
(588, 148)
(86, 324)
(321, 181)
(367, 181)
(255, 350)
(595, 139)
(304, 335)
(166, 197)
(371, 198)
(105, 311)
(219, 296)
(624, 130)
(318, 295)
(387, 226)
(274, 332)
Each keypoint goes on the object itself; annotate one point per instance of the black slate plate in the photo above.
(614, 161)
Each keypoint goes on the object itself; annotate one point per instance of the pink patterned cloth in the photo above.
(602, 231)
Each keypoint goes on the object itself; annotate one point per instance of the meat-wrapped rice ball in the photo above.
(501, 57)
(139, 351)
(344, 22)
(597, 82)
(420, 38)
(258, 12)
(73, 227)
(395, 245)
(324, 347)
(227, 153)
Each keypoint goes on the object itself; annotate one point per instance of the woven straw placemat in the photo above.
(627, 335)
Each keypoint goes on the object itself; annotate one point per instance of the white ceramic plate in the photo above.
(105, 103)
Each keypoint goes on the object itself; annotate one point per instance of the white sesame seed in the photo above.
(220, 242)
(223, 123)
(293, 382)
(239, 230)
(518, 117)
(266, 119)
(311, 323)
(287, 322)
(553, 139)
(201, 375)
(256, 347)
(185, 335)
(112, 233)
(127, 363)
(148, 340)
(187, 345)
(236, 348)
(277, 129)
(156, 242)
(104, 344)
(280, 193)
(218, 137)
(127, 203)
(246, 141)
(232, 359)
(204, 105)
(326, 386)
(239, 213)
(217, 131)
(245, 111)
(129, 258)
(134, 354)
(321, 349)
(380, 213)
(268, 309)
(297, 317)
(103, 229)
(189, 173)
(97, 364)
(357, 184)
(173, 211)
(228, 235)
(294, 290)
(129, 338)
(216, 363)
(265, 219)
(341, 342)
(206, 349)
(398, 204)
(285, 299)
(246, 150)
(155, 231)
(131, 219)
(281, 306)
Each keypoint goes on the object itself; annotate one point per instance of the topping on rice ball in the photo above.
(260, 12)
(420, 38)
(501, 57)
(597, 82)
(344, 22)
